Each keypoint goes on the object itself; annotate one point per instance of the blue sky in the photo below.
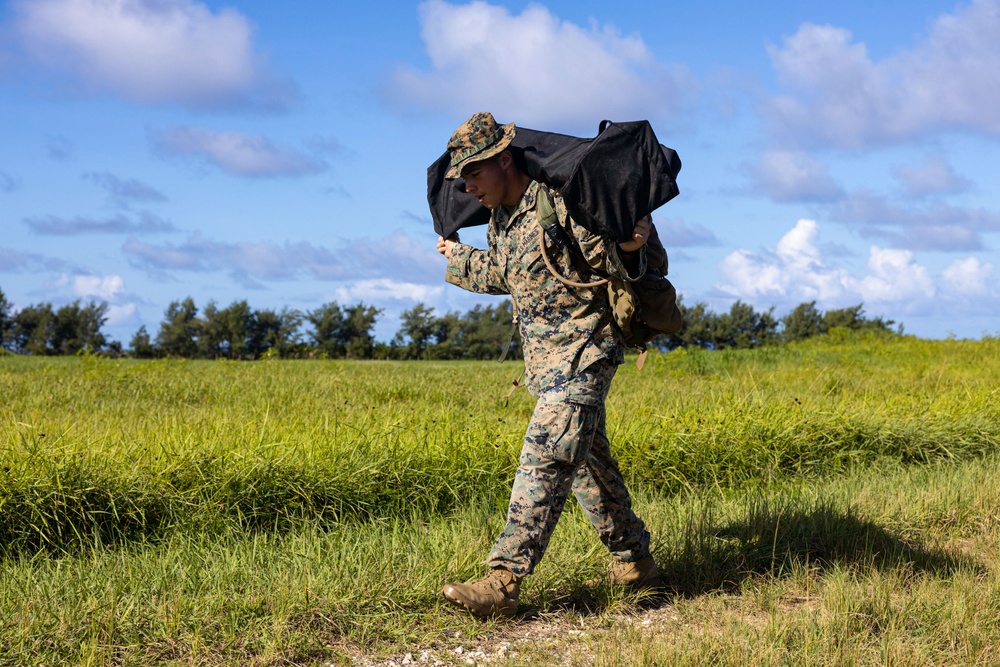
(152, 150)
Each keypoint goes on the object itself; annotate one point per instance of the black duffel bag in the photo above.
(608, 182)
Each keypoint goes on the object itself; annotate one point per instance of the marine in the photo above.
(572, 348)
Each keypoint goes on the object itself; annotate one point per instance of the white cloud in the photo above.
(968, 277)
(15, 260)
(797, 249)
(675, 233)
(151, 51)
(54, 226)
(793, 176)
(122, 315)
(896, 279)
(535, 67)
(123, 192)
(399, 256)
(236, 153)
(395, 256)
(795, 272)
(838, 96)
(382, 290)
(107, 288)
(245, 261)
(752, 275)
(937, 226)
(933, 177)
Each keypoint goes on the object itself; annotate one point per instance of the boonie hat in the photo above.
(476, 139)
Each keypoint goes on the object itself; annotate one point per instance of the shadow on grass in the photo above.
(776, 539)
(769, 540)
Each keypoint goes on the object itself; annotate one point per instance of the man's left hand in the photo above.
(640, 234)
(444, 245)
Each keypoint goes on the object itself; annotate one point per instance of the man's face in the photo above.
(487, 180)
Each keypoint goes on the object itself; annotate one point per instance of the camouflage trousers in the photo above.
(566, 448)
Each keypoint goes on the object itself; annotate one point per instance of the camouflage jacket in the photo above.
(563, 329)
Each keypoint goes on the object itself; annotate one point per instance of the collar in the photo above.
(504, 219)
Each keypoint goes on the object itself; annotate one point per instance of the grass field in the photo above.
(831, 502)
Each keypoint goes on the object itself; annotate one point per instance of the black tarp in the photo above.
(608, 182)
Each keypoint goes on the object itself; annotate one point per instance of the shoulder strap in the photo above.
(546, 209)
(548, 221)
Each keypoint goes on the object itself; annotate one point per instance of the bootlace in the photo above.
(496, 579)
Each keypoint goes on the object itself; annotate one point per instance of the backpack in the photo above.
(644, 308)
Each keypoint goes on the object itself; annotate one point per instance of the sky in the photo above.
(276, 152)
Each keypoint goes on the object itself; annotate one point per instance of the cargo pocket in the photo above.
(562, 431)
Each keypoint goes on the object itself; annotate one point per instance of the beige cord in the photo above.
(552, 269)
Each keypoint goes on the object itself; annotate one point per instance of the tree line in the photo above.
(239, 331)
(744, 327)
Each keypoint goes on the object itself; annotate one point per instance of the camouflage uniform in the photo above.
(572, 349)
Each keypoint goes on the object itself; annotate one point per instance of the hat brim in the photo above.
(455, 170)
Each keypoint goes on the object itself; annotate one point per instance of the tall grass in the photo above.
(293, 512)
(103, 451)
(111, 450)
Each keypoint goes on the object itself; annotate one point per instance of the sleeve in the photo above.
(474, 270)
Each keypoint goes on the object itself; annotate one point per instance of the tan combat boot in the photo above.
(493, 595)
(638, 576)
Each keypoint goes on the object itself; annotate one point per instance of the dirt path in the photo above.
(533, 635)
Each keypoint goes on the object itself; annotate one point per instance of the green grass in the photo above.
(833, 502)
